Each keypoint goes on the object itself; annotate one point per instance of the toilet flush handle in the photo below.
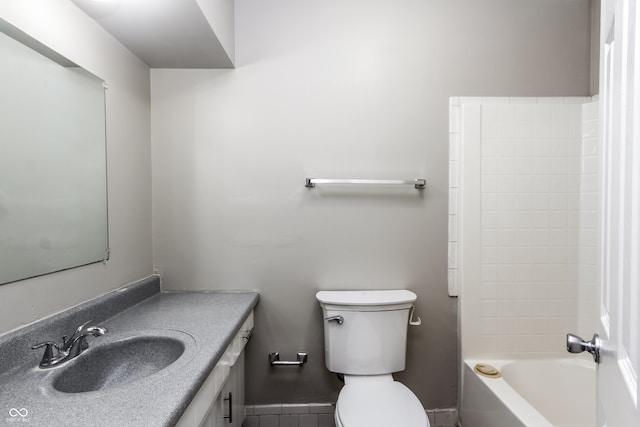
(337, 318)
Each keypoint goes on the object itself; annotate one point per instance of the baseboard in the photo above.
(444, 417)
(321, 415)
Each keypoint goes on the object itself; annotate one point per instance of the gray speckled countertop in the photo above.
(206, 322)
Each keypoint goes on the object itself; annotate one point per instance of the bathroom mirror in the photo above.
(53, 182)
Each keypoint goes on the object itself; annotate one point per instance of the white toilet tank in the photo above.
(365, 332)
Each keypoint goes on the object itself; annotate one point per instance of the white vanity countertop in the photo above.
(207, 320)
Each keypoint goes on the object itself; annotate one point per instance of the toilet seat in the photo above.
(379, 404)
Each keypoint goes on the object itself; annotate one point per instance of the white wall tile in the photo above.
(558, 184)
(488, 292)
(446, 418)
(524, 111)
(470, 99)
(578, 100)
(492, 130)
(541, 113)
(559, 166)
(452, 282)
(489, 183)
(507, 202)
(269, 420)
(488, 237)
(251, 421)
(453, 174)
(454, 118)
(495, 100)
(523, 100)
(432, 418)
(326, 420)
(590, 166)
(530, 167)
(590, 146)
(453, 255)
(535, 156)
(489, 219)
(590, 183)
(454, 146)
(590, 129)
(518, 129)
(453, 228)
(590, 111)
(506, 185)
(289, 420)
(308, 420)
(541, 166)
(551, 100)
(454, 177)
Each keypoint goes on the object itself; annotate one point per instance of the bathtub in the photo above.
(531, 393)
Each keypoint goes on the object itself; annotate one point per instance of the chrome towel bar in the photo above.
(419, 183)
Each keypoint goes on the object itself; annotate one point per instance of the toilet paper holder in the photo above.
(274, 360)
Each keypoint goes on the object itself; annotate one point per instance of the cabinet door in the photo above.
(211, 418)
(232, 396)
(228, 410)
(225, 402)
(236, 382)
(227, 377)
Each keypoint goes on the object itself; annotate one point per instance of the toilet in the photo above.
(365, 339)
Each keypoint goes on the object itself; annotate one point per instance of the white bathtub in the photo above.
(531, 393)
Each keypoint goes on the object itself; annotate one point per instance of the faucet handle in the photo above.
(42, 344)
(51, 353)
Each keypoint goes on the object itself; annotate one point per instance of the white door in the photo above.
(620, 220)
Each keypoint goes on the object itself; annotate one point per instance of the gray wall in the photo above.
(63, 27)
(339, 89)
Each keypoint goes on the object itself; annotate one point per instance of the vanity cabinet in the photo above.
(211, 407)
(228, 409)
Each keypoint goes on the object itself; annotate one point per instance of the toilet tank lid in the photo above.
(374, 298)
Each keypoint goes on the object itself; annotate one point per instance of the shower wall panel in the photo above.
(516, 220)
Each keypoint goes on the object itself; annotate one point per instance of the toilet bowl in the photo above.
(378, 401)
(365, 340)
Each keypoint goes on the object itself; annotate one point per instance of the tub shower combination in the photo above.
(522, 257)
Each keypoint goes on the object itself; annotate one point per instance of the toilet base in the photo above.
(378, 401)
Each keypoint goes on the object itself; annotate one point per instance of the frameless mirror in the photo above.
(53, 178)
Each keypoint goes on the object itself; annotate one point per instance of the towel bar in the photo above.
(418, 183)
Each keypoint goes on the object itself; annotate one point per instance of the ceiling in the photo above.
(169, 33)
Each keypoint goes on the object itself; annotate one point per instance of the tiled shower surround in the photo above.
(320, 415)
(521, 176)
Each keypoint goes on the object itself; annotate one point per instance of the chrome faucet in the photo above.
(55, 355)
